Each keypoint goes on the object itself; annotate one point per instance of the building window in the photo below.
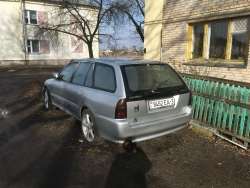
(30, 17)
(38, 46)
(33, 46)
(198, 35)
(217, 42)
(239, 46)
(220, 40)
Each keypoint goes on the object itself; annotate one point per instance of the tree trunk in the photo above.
(140, 32)
(138, 27)
(91, 55)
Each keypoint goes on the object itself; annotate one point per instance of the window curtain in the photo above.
(240, 28)
(198, 34)
(240, 25)
(218, 40)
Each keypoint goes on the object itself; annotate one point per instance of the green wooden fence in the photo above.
(223, 104)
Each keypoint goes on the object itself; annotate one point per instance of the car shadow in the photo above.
(129, 169)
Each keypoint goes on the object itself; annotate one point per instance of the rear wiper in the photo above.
(153, 90)
(140, 94)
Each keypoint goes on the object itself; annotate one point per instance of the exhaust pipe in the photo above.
(127, 144)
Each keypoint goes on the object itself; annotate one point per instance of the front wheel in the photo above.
(47, 100)
(89, 128)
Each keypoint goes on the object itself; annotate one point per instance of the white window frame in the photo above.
(27, 15)
(31, 46)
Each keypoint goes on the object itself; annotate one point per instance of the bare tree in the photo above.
(77, 18)
(129, 11)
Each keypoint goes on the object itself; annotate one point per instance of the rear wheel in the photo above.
(47, 100)
(89, 128)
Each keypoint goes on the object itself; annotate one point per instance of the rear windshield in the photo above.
(150, 77)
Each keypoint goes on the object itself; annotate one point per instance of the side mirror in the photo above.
(55, 75)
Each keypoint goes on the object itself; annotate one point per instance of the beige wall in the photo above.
(177, 14)
(11, 41)
(11, 47)
(152, 29)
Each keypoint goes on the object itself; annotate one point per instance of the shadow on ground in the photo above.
(129, 169)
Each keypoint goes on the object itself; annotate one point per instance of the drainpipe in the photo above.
(23, 31)
(161, 47)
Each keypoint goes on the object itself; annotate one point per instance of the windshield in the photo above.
(150, 77)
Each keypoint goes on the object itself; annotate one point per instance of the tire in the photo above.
(47, 100)
(89, 129)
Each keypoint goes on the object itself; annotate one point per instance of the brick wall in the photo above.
(177, 14)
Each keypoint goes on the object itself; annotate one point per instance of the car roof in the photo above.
(119, 61)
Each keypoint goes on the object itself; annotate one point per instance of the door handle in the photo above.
(81, 93)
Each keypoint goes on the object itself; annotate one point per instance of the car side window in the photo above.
(104, 78)
(66, 73)
(81, 73)
(88, 80)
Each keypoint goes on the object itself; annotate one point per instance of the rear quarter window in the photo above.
(104, 78)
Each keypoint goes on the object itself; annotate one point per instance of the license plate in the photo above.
(161, 103)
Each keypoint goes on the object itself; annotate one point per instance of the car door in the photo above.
(58, 90)
(78, 89)
(101, 97)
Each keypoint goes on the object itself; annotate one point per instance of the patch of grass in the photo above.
(54, 128)
(92, 151)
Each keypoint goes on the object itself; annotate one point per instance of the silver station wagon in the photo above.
(120, 100)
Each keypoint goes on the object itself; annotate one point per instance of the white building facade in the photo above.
(19, 44)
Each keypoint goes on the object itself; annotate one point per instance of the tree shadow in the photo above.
(36, 146)
(59, 169)
(30, 161)
(129, 169)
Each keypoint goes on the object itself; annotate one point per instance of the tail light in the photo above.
(190, 98)
(121, 109)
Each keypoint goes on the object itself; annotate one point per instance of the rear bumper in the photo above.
(119, 130)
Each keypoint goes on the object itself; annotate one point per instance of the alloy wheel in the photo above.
(46, 99)
(87, 127)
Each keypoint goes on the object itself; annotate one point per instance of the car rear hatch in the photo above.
(154, 92)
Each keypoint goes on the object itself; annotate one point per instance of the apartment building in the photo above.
(20, 44)
(201, 33)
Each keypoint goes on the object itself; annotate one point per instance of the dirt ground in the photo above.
(41, 148)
